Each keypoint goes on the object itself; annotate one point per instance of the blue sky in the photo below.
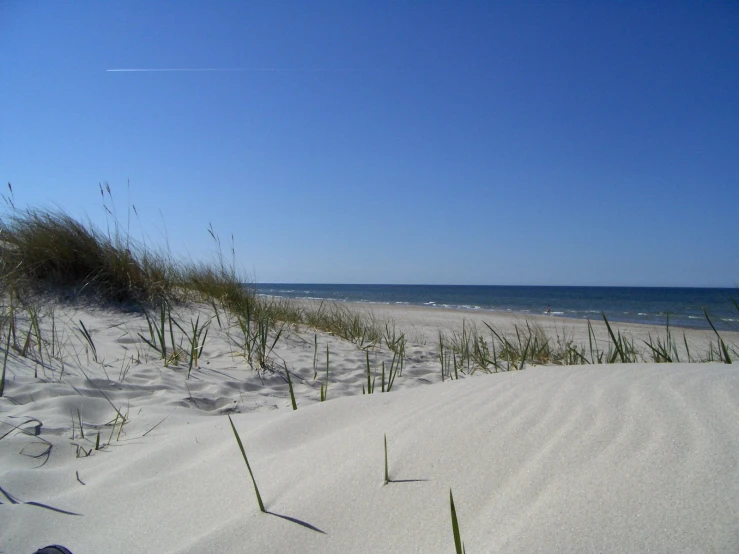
(552, 143)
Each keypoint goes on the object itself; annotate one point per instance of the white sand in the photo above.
(610, 458)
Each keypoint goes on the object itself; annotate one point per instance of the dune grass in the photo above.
(44, 249)
(290, 389)
(5, 365)
(246, 461)
(370, 380)
(324, 386)
(88, 337)
(723, 350)
(47, 251)
(468, 350)
(387, 473)
(458, 544)
(359, 327)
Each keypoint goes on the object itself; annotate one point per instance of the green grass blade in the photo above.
(724, 350)
(687, 348)
(394, 368)
(325, 387)
(147, 341)
(387, 476)
(82, 430)
(315, 351)
(290, 387)
(617, 343)
(246, 461)
(591, 340)
(171, 330)
(277, 337)
(88, 338)
(455, 526)
(162, 340)
(5, 363)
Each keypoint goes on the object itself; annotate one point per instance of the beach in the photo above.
(109, 446)
(369, 277)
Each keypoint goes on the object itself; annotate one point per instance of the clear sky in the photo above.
(552, 143)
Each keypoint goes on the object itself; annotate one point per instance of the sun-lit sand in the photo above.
(604, 458)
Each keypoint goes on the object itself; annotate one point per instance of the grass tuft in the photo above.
(45, 251)
(43, 248)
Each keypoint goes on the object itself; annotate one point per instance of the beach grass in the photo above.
(88, 337)
(49, 252)
(43, 248)
(458, 544)
(387, 473)
(370, 380)
(197, 341)
(290, 389)
(324, 386)
(260, 324)
(45, 251)
(5, 364)
(246, 461)
(723, 349)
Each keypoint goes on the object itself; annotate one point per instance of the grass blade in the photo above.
(387, 477)
(79, 418)
(158, 424)
(687, 348)
(315, 351)
(616, 343)
(88, 338)
(724, 350)
(243, 453)
(5, 363)
(455, 526)
(290, 387)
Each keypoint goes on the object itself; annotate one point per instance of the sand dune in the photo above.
(606, 458)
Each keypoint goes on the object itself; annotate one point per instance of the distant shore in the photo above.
(423, 324)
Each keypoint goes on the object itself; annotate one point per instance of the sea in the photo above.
(652, 305)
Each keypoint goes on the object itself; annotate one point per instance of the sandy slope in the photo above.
(616, 458)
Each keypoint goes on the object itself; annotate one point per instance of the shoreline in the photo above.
(728, 324)
(426, 321)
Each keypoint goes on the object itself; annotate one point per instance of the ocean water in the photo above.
(620, 304)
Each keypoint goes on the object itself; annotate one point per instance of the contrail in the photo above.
(211, 69)
(173, 69)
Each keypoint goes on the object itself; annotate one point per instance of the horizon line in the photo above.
(732, 287)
